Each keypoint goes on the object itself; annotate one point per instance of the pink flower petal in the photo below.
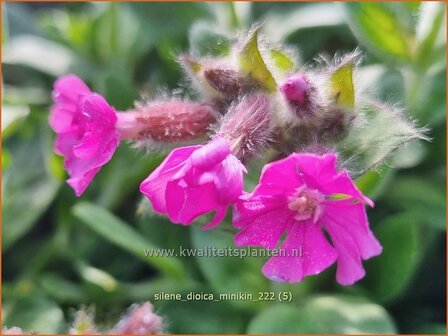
(265, 228)
(154, 186)
(67, 90)
(193, 181)
(349, 266)
(307, 253)
(353, 217)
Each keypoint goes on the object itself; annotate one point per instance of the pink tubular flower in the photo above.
(303, 195)
(85, 127)
(195, 180)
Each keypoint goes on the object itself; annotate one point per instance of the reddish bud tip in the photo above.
(295, 88)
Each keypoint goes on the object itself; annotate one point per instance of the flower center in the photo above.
(306, 204)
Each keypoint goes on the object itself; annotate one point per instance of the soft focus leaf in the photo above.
(206, 40)
(378, 133)
(284, 319)
(373, 183)
(253, 65)
(121, 234)
(61, 289)
(430, 32)
(343, 314)
(35, 314)
(379, 29)
(428, 100)
(28, 185)
(221, 271)
(423, 198)
(11, 116)
(283, 24)
(196, 316)
(168, 21)
(40, 54)
(390, 273)
(324, 315)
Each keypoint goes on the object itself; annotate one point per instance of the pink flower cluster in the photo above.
(303, 196)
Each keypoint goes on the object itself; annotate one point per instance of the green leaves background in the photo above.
(60, 252)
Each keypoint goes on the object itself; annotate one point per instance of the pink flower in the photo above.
(85, 127)
(140, 320)
(303, 196)
(195, 180)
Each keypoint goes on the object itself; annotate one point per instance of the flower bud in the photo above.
(12, 331)
(248, 125)
(302, 96)
(83, 323)
(295, 88)
(139, 320)
(166, 122)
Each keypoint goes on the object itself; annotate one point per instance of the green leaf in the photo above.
(420, 196)
(200, 316)
(343, 314)
(329, 314)
(282, 61)
(373, 183)
(341, 84)
(28, 185)
(284, 319)
(282, 25)
(206, 40)
(118, 88)
(121, 234)
(430, 32)
(35, 314)
(119, 179)
(221, 273)
(61, 289)
(375, 136)
(428, 98)
(253, 65)
(390, 273)
(378, 27)
(39, 54)
(163, 21)
(12, 115)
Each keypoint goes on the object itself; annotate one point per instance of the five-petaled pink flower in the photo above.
(304, 195)
(85, 127)
(195, 180)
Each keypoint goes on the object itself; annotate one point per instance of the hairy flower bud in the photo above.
(83, 323)
(166, 122)
(12, 331)
(295, 88)
(226, 81)
(248, 125)
(303, 98)
(139, 320)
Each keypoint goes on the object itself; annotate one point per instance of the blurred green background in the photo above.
(61, 253)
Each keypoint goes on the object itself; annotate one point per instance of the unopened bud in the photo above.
(295, 88)
(248, 125)
(223, 80)
(166, 122)
(302, 97)
(83, 324)
(334, 124)
(139, 320)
